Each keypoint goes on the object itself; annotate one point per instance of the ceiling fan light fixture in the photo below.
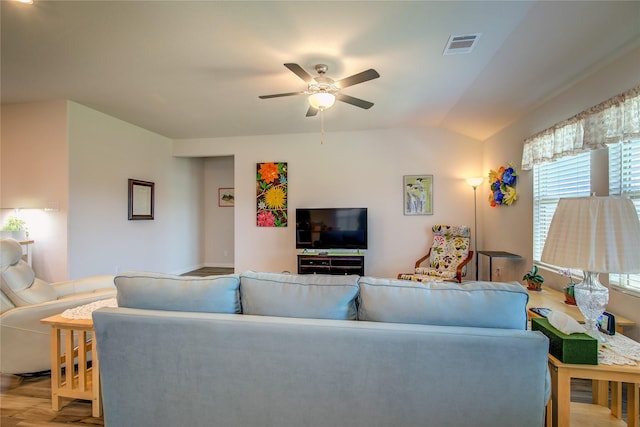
(322, 91)
(322, 100)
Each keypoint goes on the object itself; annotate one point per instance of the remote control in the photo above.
(542, 311)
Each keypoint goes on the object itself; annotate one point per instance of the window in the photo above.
(565, 177)
(570, 177)
(624, 179)
(615, 124)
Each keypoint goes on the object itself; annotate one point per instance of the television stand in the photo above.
(331, 264)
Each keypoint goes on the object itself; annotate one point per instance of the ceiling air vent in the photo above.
(461, 44)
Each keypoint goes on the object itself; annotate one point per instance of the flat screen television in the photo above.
(331, 228)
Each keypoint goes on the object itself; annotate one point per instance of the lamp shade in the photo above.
(322, 100)
(596, 234)
(474, 182)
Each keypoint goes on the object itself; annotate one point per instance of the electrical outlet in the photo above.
(226, 253)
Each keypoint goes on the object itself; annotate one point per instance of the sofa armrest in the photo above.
(25, 341)
(85, 284)
(28, 317)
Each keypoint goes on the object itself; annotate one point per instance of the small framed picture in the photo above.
(418, 194)
(141, 199)
(226, 198)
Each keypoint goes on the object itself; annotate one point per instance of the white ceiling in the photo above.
(195, 69)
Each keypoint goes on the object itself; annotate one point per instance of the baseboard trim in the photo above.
(219, 265)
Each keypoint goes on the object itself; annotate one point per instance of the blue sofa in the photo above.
(283, 350)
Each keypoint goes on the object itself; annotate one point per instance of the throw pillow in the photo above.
(157, 291)
(316, 296)
(476, 304)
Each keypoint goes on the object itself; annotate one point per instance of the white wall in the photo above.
(350, 169)
(511, 228)
(104, 153)
(69, 156)
(35, 176)
(219, 244)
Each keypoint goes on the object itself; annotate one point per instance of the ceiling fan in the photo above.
(323, 91)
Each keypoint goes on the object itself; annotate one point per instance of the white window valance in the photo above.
(612, 121)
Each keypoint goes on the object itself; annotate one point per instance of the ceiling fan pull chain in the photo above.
(322, 126)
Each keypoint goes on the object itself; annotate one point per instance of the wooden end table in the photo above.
(600, 374)
(561, 374)
(67, 349)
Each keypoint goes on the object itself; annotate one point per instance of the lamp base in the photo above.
(591, 298)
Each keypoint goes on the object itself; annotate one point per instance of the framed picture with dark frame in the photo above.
(226, 197)
(141, 199)
(418, 194)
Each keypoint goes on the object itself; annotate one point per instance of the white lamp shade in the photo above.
(597, 234)
(322, 100)
(474, 182)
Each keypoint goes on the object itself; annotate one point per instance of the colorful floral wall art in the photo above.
(503, 186)
(271, 194)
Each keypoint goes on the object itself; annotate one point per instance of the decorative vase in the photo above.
(534, 286)
(569, 295)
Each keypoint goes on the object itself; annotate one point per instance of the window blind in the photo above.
(565, 177)
(624, 180)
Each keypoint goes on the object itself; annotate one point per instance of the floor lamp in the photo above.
(475, 182)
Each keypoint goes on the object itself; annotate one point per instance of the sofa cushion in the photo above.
(157, 291)
(477, 304)
(289, 295)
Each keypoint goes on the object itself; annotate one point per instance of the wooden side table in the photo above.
(554, 300)
(561, 374)
(70, 345)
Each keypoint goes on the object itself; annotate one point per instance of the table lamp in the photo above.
(595, 235)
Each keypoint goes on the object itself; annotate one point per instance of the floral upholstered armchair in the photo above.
(448, 256)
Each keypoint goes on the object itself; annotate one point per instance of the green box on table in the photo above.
(575, 348)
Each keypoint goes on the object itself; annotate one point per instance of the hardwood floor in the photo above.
(26, 402)
(209, 271)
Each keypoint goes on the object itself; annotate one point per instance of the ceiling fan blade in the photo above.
(312, 111)
(354, 101)
(300, 72)
(364, 76)
(278, 95)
